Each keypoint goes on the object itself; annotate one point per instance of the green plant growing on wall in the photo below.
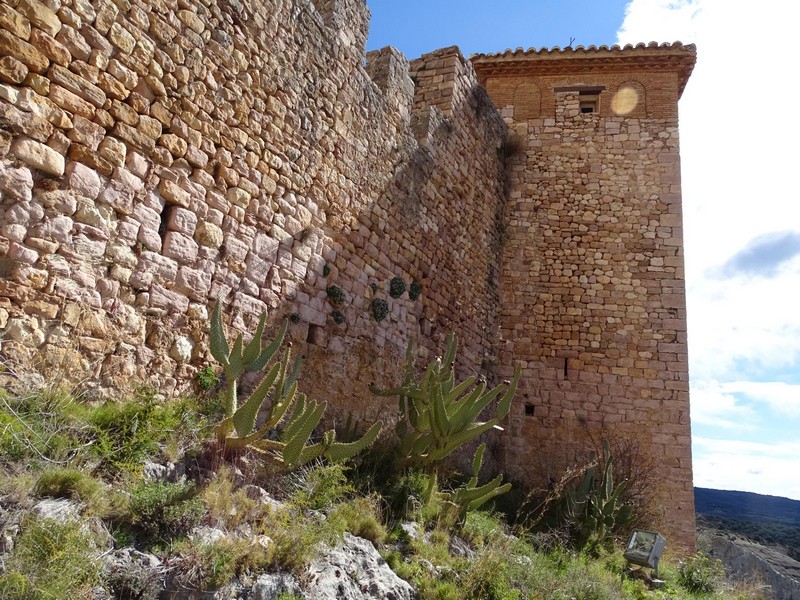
(397, 286)
(237, 429)
(338, 317)
(594, 506)
(436, 415)
(206, 378)
(414, 290)
(380, 309)
(335, 294)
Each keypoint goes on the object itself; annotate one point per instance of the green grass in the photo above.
(55, 445)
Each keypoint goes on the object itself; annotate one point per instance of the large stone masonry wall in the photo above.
(157, 154)
(593, 299)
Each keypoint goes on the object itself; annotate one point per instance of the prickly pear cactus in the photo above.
(275, 395)
(436, 415)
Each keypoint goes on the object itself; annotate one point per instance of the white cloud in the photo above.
(782, 398)
(747, 466)
(739, 140)
(713, 405)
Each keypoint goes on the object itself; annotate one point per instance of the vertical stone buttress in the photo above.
(593, 296)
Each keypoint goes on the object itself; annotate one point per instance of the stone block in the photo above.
(40, 15)
(15, 23)
(85, 132)
(16, 183)
(194, 283)
(12, 71)
(180, 247)
(182, 220)
(134, 137)
(112, 88)
(50, 47)
(77, 85)
(38, 156)
(123, 112)
(120, 37)
(72, 103)
(118, 196)
(83, 180)
(112, 150)
(173, 194)
(163, 298)
(23, 51)
(80, 153)
(73, 41)
(208, 234)
(162, 268)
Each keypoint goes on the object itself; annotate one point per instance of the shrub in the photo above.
(40, 425)
(50, 561)
(163, 511)
(227, 506)
(68, 483)
(320, 486)
(207, 378)
(700, 574)
(361, 517)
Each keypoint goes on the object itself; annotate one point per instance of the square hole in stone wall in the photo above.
(530, 409)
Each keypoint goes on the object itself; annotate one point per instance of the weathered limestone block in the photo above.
(181, 349)
(209, 234)
(40, 15)
(112, 150)
(14, 22)
(173, 194)
(183, 221)
(80, 153)
(16, 183)
(85, 132)
(12, 71)
(70, 102)
(120, 37)
(163, 298)
(50, 47)
(23, 51)
(30, 101)
(180, 247)
(195, 283)
(106, 13)
(118, 195)
(38, 156)
(74, 42)
(163, 268)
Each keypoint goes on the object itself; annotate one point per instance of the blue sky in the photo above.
(739, 145)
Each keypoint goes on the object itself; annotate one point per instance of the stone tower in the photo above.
(593, 296)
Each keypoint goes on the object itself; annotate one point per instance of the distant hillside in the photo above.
(766, 519)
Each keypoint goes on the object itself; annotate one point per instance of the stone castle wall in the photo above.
(593, 295)
(159, 154)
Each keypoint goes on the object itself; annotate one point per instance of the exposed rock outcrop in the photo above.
(744, 559)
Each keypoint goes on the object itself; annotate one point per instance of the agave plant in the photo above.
(436, 415)
(595, 506)
(276, 396)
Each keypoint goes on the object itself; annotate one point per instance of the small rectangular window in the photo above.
(529, 410)
(588, 102)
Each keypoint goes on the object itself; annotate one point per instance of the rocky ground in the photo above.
(746, 559)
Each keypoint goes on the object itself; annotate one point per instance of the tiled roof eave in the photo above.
(676, 57)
